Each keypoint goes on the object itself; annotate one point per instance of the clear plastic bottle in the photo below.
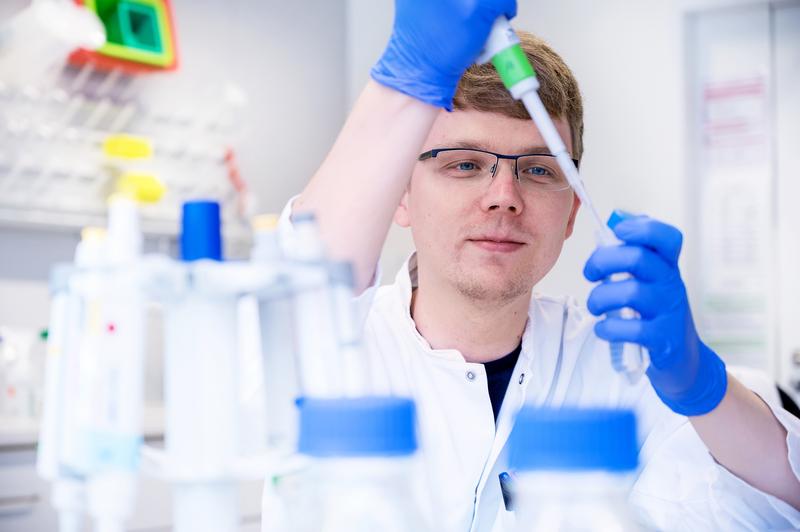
(359, 480)
(317, 341)
(277, 336)
(574, 469)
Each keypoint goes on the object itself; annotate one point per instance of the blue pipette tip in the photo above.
(201, 236)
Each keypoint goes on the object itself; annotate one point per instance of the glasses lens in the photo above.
(464, 164)
(542, 172)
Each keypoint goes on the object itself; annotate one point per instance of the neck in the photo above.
(482, 331)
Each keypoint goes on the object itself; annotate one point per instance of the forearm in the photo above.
(743, 435)
(356, 190)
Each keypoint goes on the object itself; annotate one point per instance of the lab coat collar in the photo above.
(406, 280)
(539, 336)
(546, 349)
(541, 355)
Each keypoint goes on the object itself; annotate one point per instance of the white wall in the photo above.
(627, 57)
(290, 58)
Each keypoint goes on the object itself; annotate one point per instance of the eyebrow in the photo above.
(469, 145)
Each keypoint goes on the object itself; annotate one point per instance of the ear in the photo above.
(401, 215)
(576, 204)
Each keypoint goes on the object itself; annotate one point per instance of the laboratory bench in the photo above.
(25, 497)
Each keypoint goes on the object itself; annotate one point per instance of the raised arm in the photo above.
(356, 190)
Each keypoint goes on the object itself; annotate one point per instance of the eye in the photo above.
(537, 171)
(463, 168)
(542, 173)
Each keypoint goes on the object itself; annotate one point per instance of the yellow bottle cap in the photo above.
(93, 233)
(264, 222)
(126, 146)
(141, 187)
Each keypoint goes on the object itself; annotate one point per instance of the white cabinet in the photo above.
(743, 73)
(787, 164)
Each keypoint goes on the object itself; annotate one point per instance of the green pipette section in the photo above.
(513, 66)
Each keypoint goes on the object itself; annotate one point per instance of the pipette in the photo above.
(504, 51)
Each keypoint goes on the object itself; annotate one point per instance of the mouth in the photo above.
(498, 245)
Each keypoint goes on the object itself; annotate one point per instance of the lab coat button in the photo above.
(521, 378)
(470, 376)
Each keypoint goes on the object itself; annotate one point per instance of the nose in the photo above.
(503, 194)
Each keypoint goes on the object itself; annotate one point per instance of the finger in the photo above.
(641, 262)
(664, 239)
(646, 299)
(506, 7)
(633, 331)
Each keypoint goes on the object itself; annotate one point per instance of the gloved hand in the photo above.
(688, 376)
(432, 44)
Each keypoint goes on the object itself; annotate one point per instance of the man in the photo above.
(460, 331)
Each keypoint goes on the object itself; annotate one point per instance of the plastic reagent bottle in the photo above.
(318, 353)
(362, 452)
(276, 329)
(574, 469)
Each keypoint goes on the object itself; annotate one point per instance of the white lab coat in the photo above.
(462, 451)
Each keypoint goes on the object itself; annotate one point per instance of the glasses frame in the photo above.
(431, 154)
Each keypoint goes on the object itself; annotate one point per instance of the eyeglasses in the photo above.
(538, 171)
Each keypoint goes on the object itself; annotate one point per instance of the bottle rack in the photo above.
(54, 175)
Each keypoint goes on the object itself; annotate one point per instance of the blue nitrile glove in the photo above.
(688, 376)
(432, 44)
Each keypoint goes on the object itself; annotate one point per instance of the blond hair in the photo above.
(480, 89)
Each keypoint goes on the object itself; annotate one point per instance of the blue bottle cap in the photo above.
(617, 216)
(201, 237)
(363, 426)
(574, 440)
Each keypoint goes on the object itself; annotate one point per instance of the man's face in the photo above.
(492, 240)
